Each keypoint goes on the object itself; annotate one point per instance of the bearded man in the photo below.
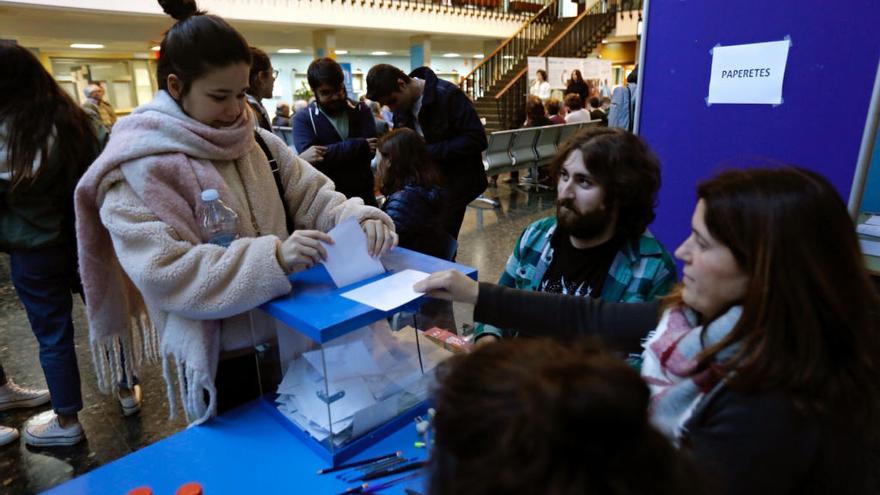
(598, 244)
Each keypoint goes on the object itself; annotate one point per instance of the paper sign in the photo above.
(748, 74)
(347, 259)
(390, 292)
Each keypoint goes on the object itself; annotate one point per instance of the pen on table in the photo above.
(394, 470)
(375, 488)
(369, 468)
(359, 463)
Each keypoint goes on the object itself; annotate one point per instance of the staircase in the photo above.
(499, 84)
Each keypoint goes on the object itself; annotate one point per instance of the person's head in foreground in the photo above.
(532, 417)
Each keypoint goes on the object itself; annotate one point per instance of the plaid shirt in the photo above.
(642, 270)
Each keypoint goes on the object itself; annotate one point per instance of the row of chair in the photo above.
(527, 147)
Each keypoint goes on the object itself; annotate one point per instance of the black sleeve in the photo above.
(756, 444)
(622, 326)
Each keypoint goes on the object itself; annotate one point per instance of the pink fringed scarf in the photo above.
(173, 153)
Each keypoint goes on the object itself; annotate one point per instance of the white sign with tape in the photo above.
(748, 74)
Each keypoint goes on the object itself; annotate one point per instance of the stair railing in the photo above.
(578, 39)
(512, 52)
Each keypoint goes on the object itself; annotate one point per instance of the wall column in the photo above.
(324, 41)
(419, 51)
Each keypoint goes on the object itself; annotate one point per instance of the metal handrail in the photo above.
(511, 53)
(575, 40)
(525, 25)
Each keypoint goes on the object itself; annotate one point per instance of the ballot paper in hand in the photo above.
(347, 258)
(390, 292)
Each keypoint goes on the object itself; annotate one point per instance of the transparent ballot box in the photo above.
(345, 378)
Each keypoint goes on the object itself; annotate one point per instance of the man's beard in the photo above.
(581, 225)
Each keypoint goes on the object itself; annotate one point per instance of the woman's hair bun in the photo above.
(180, 9)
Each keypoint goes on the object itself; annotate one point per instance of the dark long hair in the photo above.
(809, 325)
(409, 163)
(34, 109)
(524, 417)
(260, 62)
(625, 168)
(535, 109)
(196, 44)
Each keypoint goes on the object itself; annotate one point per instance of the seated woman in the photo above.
(414, 196)
(534, 417)
(763, 362)
(152, 282)
(415, 201)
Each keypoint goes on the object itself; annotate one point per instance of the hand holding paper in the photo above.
(304, 247)
(347, 259)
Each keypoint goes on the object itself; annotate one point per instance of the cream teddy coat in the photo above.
(152, 288)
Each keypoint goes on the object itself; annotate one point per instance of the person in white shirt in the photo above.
(576, 112)
(540, 88)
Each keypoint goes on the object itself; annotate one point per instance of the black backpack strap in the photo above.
(276, 173)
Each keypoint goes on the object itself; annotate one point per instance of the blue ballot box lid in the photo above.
(316, 308)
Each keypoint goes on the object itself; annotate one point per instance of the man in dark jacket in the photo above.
(343, 132)
(443, 115)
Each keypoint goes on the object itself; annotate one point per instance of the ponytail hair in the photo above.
(197, 43)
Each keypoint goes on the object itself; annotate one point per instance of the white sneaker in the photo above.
(12, 396)
(132, 403)
(7, 435)
(44, 430)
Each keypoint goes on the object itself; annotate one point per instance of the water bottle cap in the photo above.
(210, 195)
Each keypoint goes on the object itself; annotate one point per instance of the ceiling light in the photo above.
(342, 52)
(156, 48)
(478, 55)
(290, 50)
(451, 55)
(507, 57)
(87, 46)
(380, 53)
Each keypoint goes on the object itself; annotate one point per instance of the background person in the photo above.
(576, 111)
(763, 363)
(282, 115)
(541, 87)
(577, 85)
(343, 132)
(46, 143)
(261, 83)
(97, 107)
(441, 113)
(623, 103)
(555, 111)
(596, 112)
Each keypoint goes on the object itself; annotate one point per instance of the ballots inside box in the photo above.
(341, 390)
(347, 379)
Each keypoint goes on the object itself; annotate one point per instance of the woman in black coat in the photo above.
(415, 198)
(578, 86)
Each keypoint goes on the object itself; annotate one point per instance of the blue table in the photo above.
(250, 449)
(245, 451)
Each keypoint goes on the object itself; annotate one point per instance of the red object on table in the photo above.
(191, 488)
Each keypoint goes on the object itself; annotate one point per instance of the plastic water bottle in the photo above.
(218, 222)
